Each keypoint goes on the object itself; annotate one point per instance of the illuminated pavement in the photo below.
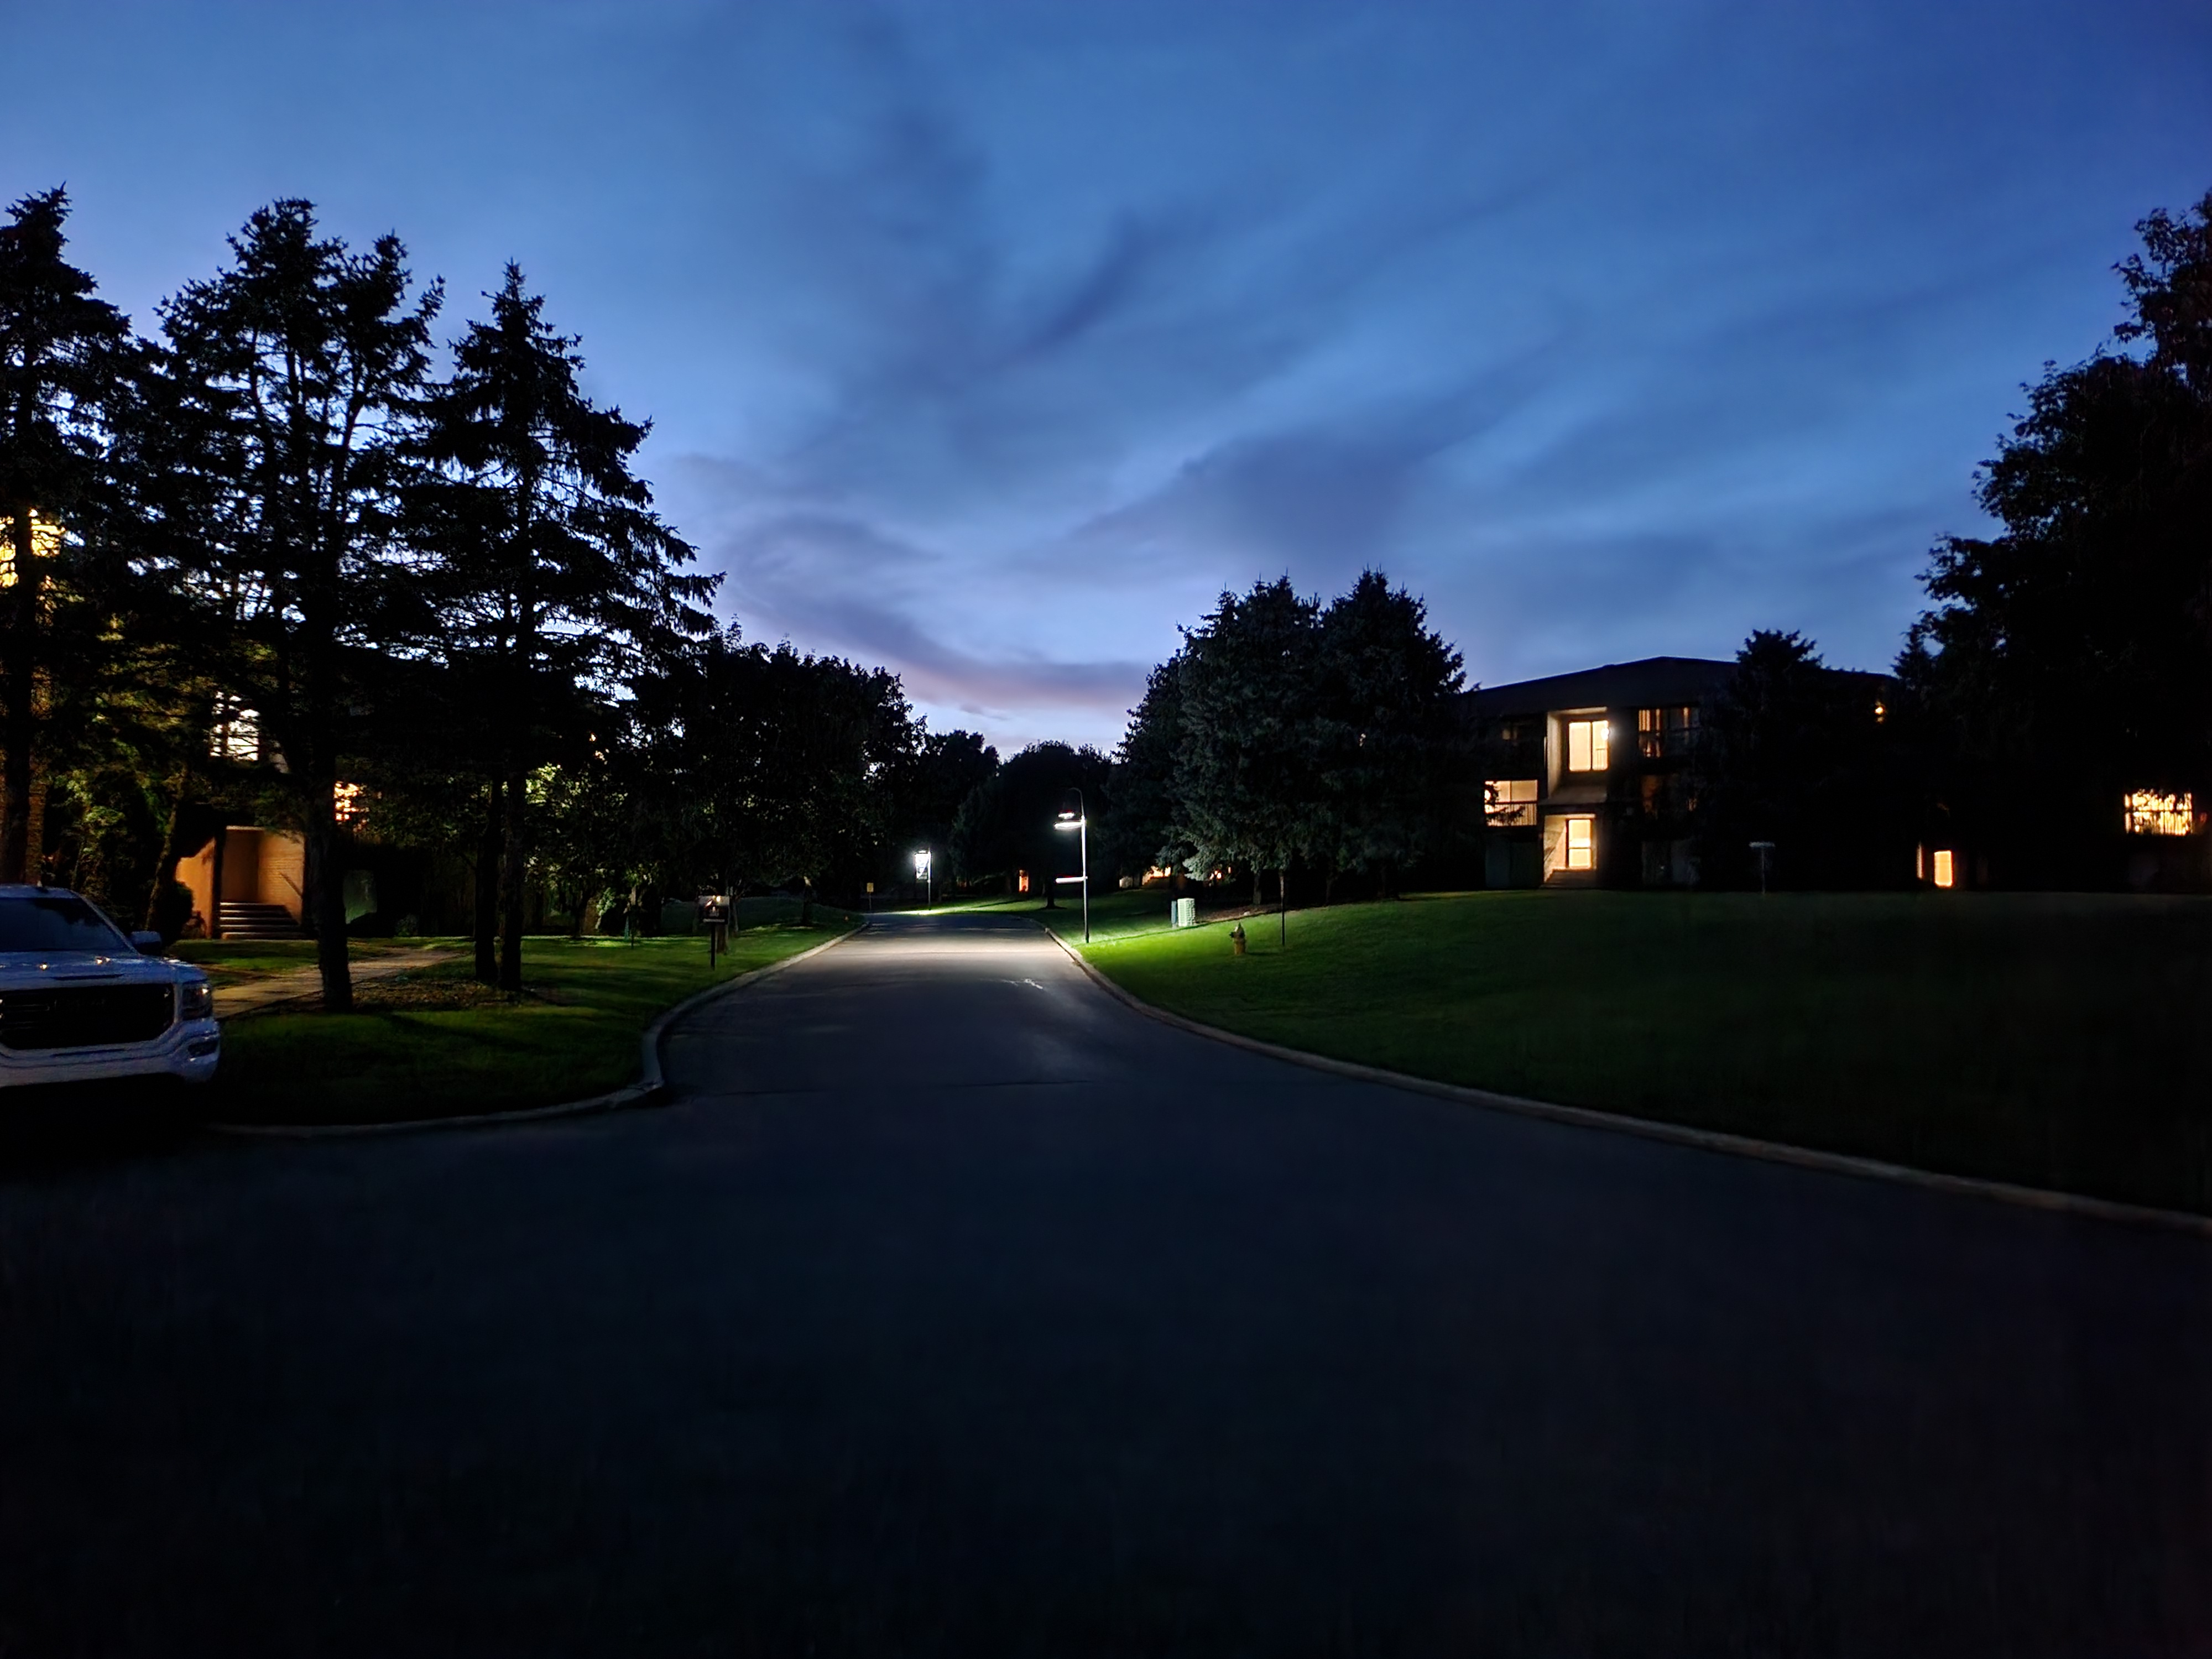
(955, 1308)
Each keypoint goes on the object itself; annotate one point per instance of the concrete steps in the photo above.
(258, 921)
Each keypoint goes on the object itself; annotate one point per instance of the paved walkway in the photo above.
(954, 1309)
(258, 995)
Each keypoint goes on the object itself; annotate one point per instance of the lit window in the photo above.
(1944, 875)
(2150, 813)
(1588, 749)
(1582, 843)
(1666, 731)
(1509, 802)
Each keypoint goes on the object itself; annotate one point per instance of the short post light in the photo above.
(1766, 851)
(923, 874)
(1080, 821)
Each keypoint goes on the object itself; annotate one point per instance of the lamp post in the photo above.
(1080, 823)
(922, 870)
(1766, 851)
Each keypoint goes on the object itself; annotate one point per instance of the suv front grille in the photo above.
(85, 1016)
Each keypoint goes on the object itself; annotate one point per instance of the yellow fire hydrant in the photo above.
(1236, 939)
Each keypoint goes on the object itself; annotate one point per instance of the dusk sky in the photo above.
(990, 342)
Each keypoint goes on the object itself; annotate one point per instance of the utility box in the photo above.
(1182, 912)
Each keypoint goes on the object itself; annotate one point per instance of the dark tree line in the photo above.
(2068, 658)
(287, 557)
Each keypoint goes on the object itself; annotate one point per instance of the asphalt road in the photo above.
(954, 1309)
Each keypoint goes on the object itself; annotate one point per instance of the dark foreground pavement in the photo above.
(956, 1310)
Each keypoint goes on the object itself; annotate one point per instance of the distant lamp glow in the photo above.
(922, 873)
(1946, 874)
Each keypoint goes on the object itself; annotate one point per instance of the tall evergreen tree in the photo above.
(559, 582)
(1387, 728)
(1793, 752)
(1146, 823)
(61, 353)
(1248, 777)
(272, 452)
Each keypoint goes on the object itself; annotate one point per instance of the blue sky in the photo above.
(991, 342)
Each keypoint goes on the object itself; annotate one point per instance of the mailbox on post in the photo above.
(714, 911)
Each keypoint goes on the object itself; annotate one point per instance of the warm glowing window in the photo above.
(1944, 873)
(1021, 881)
(1582, 843)
(1587, 748)
(2150, 813)
(1666, 731)
(1509, 802)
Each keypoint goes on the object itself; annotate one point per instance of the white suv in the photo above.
(79, 1001)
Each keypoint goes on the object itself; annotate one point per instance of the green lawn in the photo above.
(2061, 1041)
(573, 1034)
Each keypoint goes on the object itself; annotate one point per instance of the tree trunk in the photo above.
(486, 918)
(325, 895)
(511, 883)
(18, 721)
(164, 867)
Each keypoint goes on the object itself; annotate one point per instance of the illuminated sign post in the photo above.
(714, 911)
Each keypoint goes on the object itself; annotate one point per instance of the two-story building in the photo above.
(1583, 773)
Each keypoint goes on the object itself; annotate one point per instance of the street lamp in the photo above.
(1080, 823)
(922, 873)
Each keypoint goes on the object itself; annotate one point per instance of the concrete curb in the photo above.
(645, 1091)
(1712, 1140)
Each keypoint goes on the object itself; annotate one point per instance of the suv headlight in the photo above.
(195, 1000)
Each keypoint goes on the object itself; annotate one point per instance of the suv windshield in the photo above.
(59, 922)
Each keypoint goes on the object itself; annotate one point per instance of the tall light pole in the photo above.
(928, 888)
(1080, 821)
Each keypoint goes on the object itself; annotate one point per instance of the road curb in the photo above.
(1712, 1140)
(646, 1092)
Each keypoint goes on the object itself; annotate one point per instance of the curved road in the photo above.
(954, 1309)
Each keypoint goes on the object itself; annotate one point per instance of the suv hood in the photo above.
(20, 969)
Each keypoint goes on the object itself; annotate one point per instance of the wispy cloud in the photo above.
(991, 340)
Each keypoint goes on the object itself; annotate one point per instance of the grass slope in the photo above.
(573, 1034)
(2061, 1041)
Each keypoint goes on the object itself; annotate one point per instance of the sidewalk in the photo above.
(305, 984)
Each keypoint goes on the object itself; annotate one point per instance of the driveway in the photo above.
(954, 1309)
